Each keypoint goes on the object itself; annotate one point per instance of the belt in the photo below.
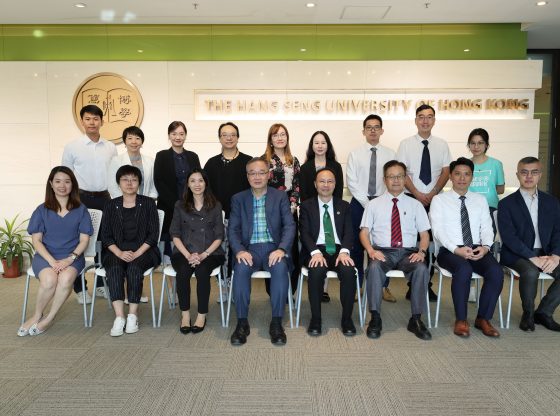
(100, 194)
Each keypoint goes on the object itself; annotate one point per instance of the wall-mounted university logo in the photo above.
(119, 99)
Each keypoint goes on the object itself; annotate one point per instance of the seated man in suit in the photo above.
(261, 231)
(462, 226)
(529, 223)
(389, 231)
(326, 246)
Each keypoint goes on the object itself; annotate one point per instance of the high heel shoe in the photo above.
(22, 332)
(186, 329)
(198, 329)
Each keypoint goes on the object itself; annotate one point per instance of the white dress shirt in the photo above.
(532, 202)
(410, 153)
(377, 219)
(147, 175)
(90, 162)
(445, 214)
(321, 236)
(357, 171)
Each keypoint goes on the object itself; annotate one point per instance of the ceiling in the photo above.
(541, 23)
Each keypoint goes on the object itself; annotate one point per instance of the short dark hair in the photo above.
(128, 170)
(325, 169)
(425, 107)
(255, 160)
(483, 135)
(174, 125)
(330, 155)
(373, 117)
(527, 160)
(91, 109)
(50, 198)
(229, 123)
(133, 131)
(392, 163)
(462, 161)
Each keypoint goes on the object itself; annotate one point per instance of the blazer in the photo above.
(147, 177)
(166, 182)
(147, 224)
(307, 179)
(279, 219)
(310, 218)
(517, 231)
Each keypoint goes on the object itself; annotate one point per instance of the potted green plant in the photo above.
(14, 245)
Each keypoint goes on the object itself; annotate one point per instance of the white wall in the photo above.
(36, 109)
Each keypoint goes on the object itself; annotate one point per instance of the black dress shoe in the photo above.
(527, 322)
(277, 334)
(198, 329)
(314, 328)
(547, 321)
(374, 327)
(417, 327)
(242, 331)
(185, 329)
(325, 298)
(348, 327)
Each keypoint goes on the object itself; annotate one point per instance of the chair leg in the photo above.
(91, 308)
(477, 293)
(542, 288)
(500, 311)
(360, 314)
(25, 297)
(438, 298)
(428, 313)
(290, 302)
(229, 299)
(163, 287)
(220, 280)
(298, 292)
(511, 278)
(152, 300)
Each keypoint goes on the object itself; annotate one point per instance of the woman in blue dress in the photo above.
(60, 230)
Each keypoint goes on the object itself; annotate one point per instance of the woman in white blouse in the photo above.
(133, 139)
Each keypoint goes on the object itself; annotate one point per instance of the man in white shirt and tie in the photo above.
(427, 160)
(462, 227)
(89, 157)
(390, 228)
(364, 177)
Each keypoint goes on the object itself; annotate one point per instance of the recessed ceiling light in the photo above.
(140, 51)
(466, 50)
(310, 5)
(542, 3)
(303, 50)
(80, 5)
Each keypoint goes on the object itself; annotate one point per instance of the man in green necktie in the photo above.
(326, 237)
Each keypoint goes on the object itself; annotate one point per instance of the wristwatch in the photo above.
(424, 252)
(73, 256)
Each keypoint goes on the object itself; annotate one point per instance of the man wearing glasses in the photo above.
(261, 232)
(364, 177)
(390, 228)
(529, 223)
(427, 160)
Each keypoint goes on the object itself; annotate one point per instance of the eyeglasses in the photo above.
(133, 179)
(395, 177)
(425, 118)
(372, 128)
(326, 182)
(534, 172)
(231, 136)
(279, 136)
(253, 173)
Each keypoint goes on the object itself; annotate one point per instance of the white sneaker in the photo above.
(100, 292)
(131, 324)
(472, 295)
(118, 326)
(80, 298)
(143, 299)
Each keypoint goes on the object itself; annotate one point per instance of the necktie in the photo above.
(330, 244)
(465, 224)
(372, 184)
(425, 165)
(396, 234)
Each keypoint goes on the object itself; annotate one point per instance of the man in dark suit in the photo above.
(326, 246)
(261, 231)
(529, 223)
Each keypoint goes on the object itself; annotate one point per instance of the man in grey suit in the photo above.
(261, 232)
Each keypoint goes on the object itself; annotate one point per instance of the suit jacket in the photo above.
(147, 224)
(307, 179)
(310, 218)
(166, 181)
(147, 177)
(279, 219)
(517, 231)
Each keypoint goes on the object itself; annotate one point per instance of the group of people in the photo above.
(271, 203)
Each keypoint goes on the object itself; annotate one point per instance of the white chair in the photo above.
(89, 255)
(262, 275)
(100, 271)
(169, 271)
(443, 272)
(330, 275)
(391, 274)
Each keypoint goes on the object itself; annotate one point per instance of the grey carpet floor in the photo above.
(72, 370)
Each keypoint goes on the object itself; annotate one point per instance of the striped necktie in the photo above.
(465, 223)
(396, 234)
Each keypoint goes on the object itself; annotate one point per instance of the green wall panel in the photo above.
(261, 42)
